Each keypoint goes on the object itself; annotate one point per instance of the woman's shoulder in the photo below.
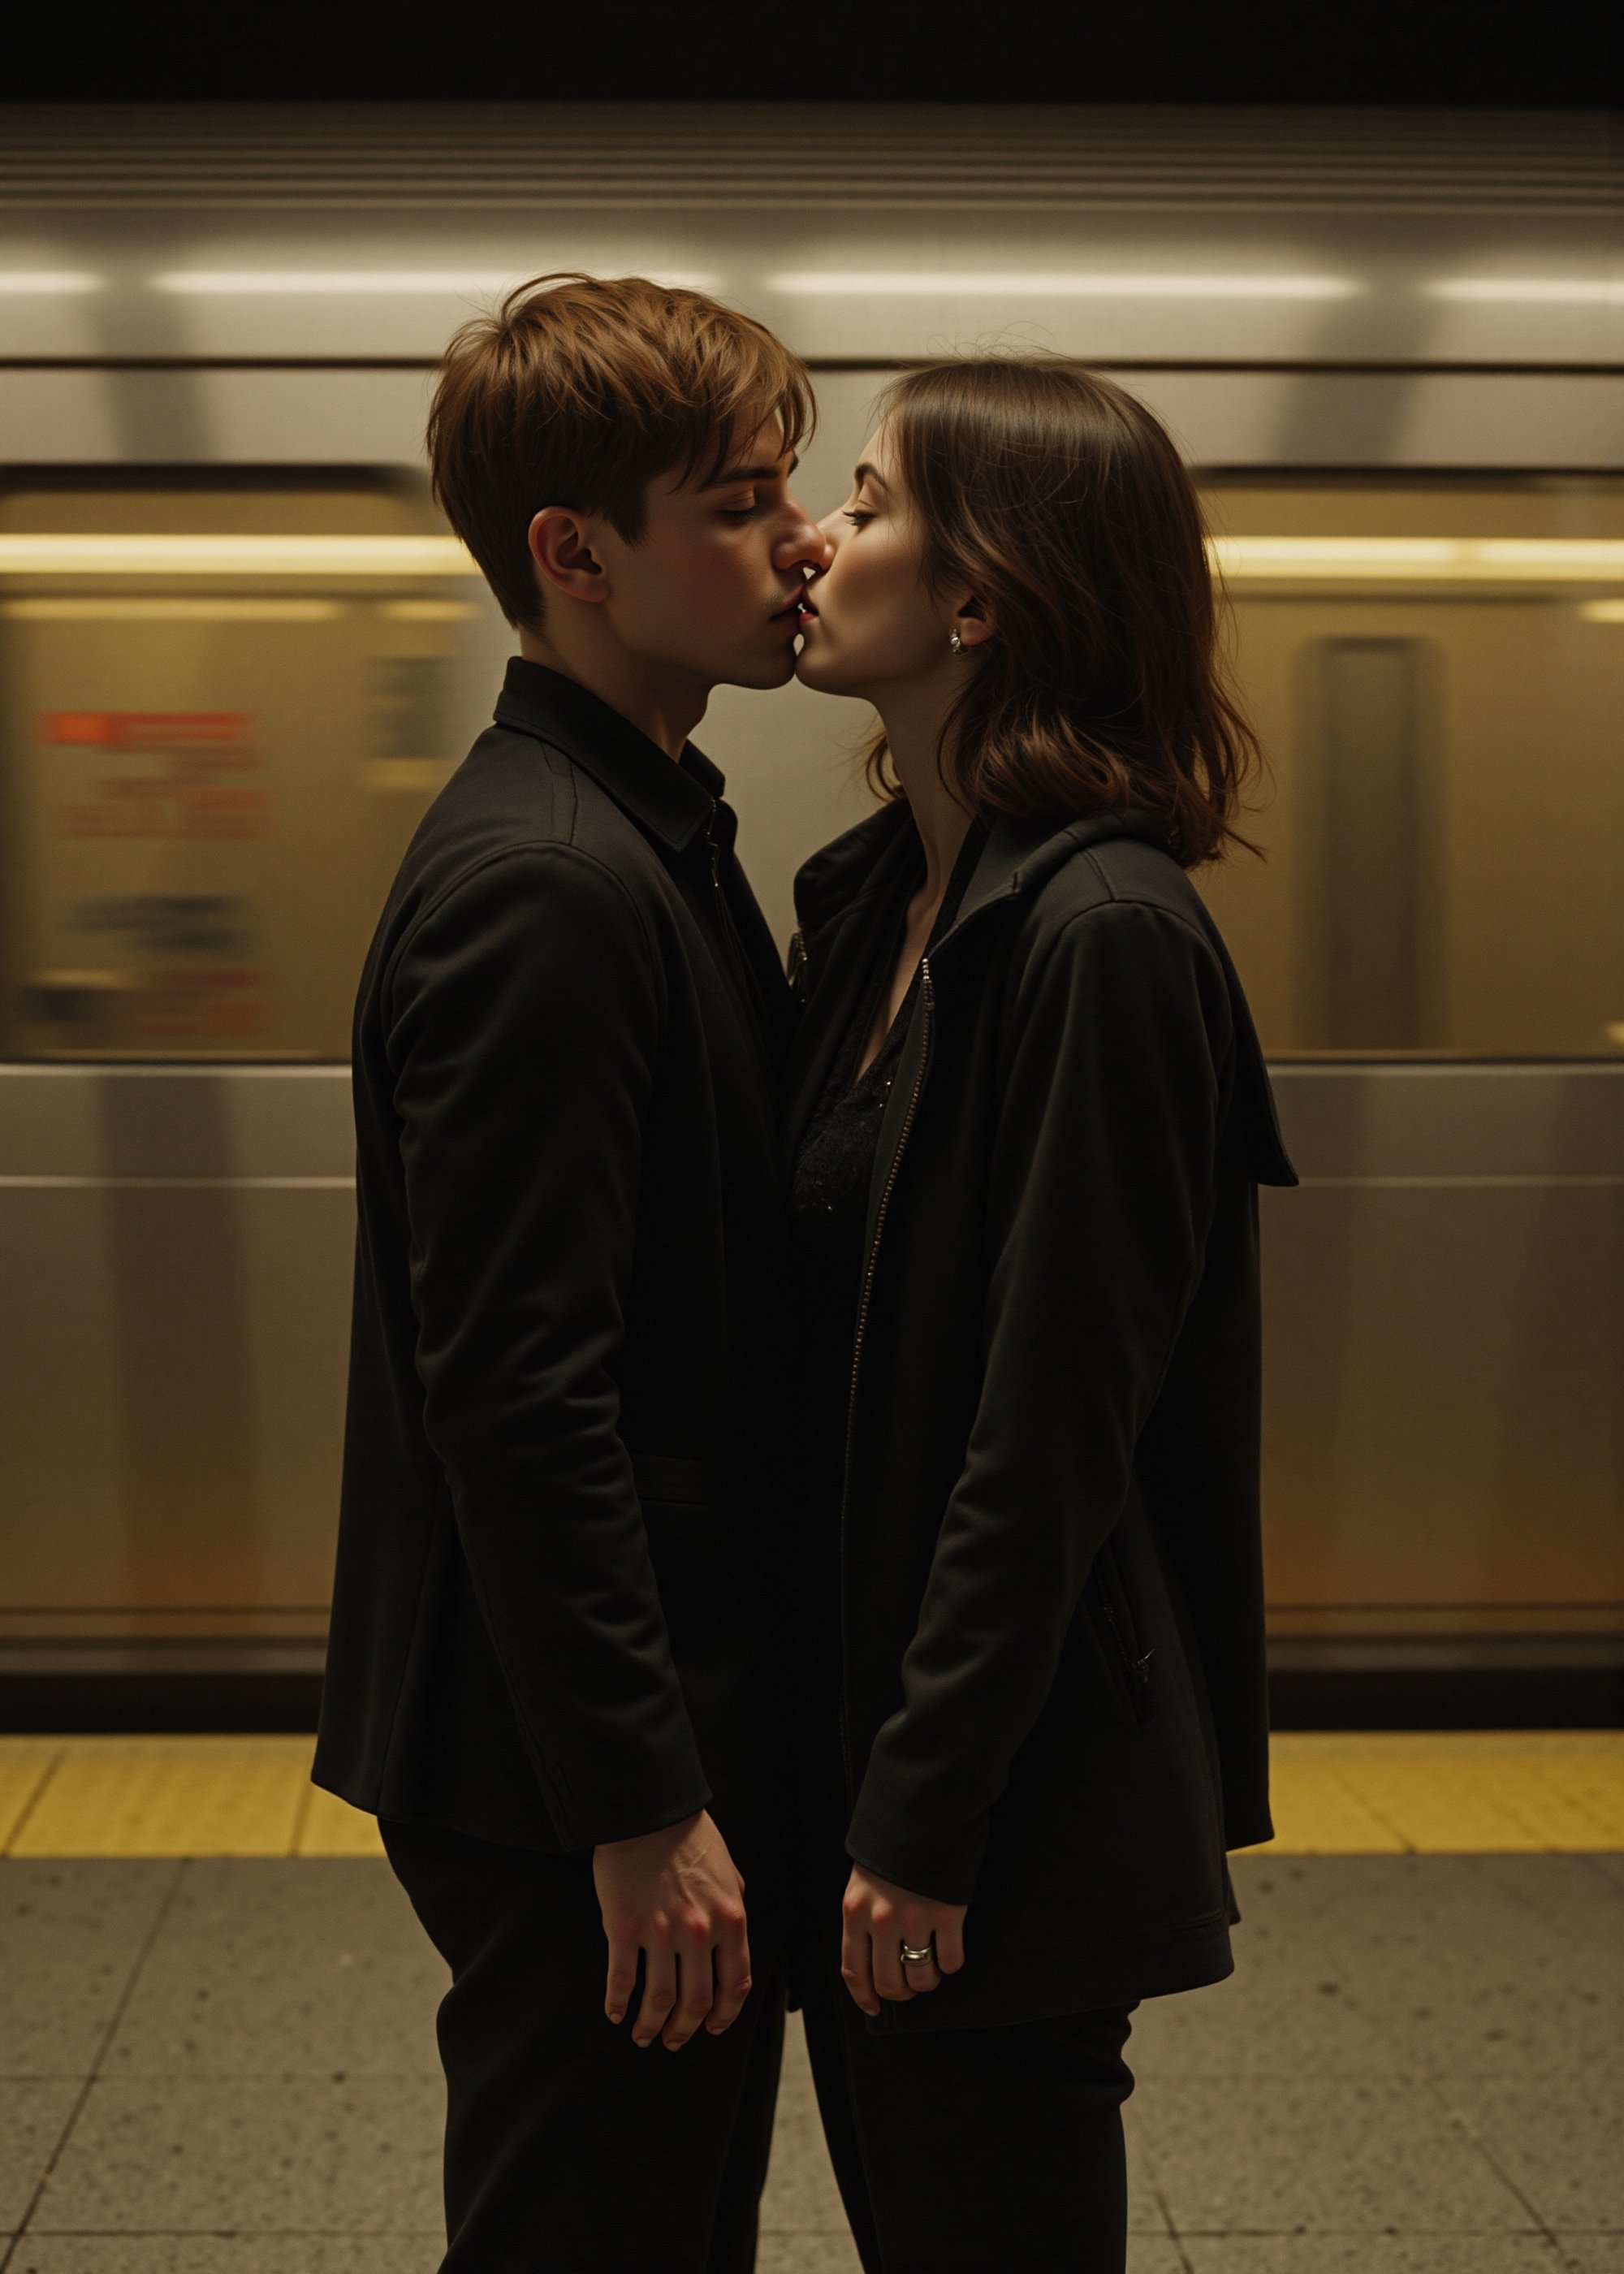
(1114, 884)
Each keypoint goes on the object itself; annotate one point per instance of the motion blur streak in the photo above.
(1551, 292)
(229, 281)
(1038, 284)
(49, 280)
(1455, 559)
(70, 555)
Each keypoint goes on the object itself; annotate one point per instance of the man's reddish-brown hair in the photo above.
(582, 390)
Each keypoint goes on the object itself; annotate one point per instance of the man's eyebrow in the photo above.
(731, 474)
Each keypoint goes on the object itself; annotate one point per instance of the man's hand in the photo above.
(878, 1919)
(674, 1896)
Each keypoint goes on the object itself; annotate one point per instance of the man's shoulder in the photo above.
(517, 819)
(515, 794)
(514, 789)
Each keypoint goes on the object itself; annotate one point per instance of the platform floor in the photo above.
(222, 2062)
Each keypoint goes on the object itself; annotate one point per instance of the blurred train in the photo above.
(241, 652)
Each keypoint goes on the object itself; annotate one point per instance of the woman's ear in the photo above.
(974, 622)
(562, 547)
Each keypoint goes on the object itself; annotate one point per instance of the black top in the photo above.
(559, 1538)
(829, 1205)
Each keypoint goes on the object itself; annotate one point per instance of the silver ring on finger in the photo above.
(926, 1956)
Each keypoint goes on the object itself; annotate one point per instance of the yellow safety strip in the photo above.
(1401, 1793)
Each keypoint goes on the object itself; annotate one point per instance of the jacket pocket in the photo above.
(1128, 1655)
(677, 1483)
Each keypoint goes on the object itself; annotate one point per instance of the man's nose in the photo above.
(806, 546)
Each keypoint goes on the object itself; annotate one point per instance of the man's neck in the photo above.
(664, 704)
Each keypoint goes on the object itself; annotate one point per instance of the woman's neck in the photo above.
(913, 717)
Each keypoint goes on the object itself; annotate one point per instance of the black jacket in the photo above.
(1055, 1694)
(558, 1542)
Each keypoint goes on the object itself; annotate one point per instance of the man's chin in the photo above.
(770, 671)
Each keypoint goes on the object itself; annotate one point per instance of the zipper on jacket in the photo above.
(796, 969)
(1124, 1633)
(928, 1012)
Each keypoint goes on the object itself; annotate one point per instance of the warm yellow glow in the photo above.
(1105, 284)
(160, 611)
(1602, 612)
(1550, 292)
(1452, 560)
(64, 554)
(50, 281)
(429, 612)
(234, 282)
(410, 777)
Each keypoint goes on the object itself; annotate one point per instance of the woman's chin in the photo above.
(815, 666)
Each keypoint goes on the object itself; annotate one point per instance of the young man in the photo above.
(552, 1624)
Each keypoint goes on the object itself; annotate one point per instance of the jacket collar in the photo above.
(671, 803)
(1017, 858)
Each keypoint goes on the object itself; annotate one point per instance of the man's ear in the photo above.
(562, 547)
(973, 621)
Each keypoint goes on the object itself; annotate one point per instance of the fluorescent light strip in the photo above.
(48, 280)
(158, 611)
(1458, 560)
(1549, 291)
(350, 281)
(1602, 612)
(151, 556)
(840, 283)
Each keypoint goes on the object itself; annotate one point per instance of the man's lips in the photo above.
(796, 611)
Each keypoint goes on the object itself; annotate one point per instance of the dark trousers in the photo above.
(975, 2151)
(568, 2149)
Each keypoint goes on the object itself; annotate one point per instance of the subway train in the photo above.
(242, 652)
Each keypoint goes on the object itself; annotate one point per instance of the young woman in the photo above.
(1027, 1116)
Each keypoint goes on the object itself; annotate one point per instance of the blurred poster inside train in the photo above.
(223, 716)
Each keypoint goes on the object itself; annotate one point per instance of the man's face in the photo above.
(713, 586)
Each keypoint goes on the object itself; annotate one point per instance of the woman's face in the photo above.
(869, 623)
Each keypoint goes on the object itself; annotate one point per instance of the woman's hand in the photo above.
(878, 1920)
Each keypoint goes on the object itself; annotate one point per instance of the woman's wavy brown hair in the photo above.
(1062, 503)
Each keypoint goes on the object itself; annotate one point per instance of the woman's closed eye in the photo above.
(855, 515)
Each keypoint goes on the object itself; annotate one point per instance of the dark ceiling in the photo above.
(1539, 53)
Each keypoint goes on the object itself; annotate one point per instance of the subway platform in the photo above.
(216, 2047)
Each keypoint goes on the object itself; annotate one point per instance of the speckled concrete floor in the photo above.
(226, 2067)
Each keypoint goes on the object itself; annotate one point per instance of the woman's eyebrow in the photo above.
(864, 472)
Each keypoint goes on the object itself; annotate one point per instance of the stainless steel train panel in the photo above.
(1302, 238)
(174, 1313)
(1445, 1294)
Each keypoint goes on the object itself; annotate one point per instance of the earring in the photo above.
(955, 642)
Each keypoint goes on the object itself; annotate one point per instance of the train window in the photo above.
(224, 709)
(1436, 670)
